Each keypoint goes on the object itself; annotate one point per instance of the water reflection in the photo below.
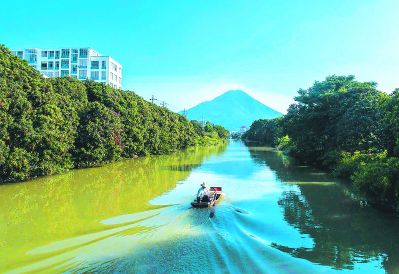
(135, 216)
(43, 217)
(343, 232)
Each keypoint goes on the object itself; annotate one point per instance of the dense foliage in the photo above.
(52, 125)
(346, 126)
(264, 131)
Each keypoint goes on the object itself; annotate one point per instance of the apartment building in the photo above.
(79, 63)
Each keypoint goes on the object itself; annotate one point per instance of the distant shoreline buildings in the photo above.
(79, 63)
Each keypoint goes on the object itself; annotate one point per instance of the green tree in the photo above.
(265, 131)
(51, 125)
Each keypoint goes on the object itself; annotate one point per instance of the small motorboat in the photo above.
(215, 192)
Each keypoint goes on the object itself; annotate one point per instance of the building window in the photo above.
(49, 74)
(74, 58)
(103, 75)
(31, 56)
(56, 73)
(20, 54)
(104, 64)
(43, 66)
(75, 51)
(94, 64)
(51, 65)
(120, 80)
(44, 53)
(57, 54)
(65, 53)
(57, 65)
(74, 69)
(82, 74)
(82, 53)
(74, 76)
(64, 63)
(82, 63)
(114, 67)
(64, 72)
(94, 75)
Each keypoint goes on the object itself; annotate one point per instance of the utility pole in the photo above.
(164, 104)
(153, 99)
(185, 113)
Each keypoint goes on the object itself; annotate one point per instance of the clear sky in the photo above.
(188, 51)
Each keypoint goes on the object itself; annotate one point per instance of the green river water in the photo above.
(134, 216)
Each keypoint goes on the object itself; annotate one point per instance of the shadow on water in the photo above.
(343, 232)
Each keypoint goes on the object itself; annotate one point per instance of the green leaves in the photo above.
(50, 125)
(265, 131)
(346, 126)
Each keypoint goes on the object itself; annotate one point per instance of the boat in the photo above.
(215, 192)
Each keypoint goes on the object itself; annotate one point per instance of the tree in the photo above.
(51, 125)
(265, 131)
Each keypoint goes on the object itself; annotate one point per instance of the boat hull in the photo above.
(216, 194)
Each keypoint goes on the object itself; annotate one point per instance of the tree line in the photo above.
(346, 126)
(48, 126)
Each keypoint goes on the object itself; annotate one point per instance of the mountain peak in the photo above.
(232, 109)
(235, 92)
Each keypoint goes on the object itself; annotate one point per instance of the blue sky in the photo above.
(185, 52)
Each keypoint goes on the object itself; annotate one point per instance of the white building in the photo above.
(79, 63)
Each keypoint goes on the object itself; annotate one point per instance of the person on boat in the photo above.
(202, 194)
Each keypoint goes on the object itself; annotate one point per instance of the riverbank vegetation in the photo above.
(346, 126)
(52, 125)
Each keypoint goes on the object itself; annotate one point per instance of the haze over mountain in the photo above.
(232, 109)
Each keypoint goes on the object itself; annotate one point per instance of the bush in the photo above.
(379, 180)
(349, 163)
(285, 144)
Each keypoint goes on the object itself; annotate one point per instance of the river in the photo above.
(135, 216)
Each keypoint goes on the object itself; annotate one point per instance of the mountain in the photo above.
(232, 109)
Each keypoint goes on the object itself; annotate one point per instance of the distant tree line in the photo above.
(345, 126)
(48, 126)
